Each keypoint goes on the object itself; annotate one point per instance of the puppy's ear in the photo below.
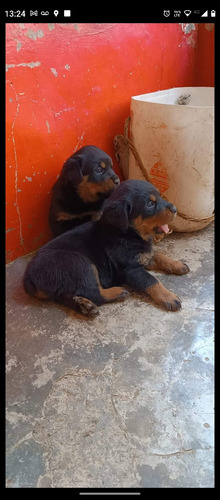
(117, 214)
(71, 172)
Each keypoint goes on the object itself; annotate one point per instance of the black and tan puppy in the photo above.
(92, 264)
(86, 179)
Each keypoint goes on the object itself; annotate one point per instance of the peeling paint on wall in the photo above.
(33, 35)
(191, 32)
(51, 26)
(54, 71)
(49, 117)
(19, 45)
(48, 126)
(25, 65)
(187, 27)
(58, 113)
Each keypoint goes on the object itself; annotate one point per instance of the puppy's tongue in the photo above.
(165, 228)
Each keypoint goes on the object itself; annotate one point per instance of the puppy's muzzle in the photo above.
(172, 208)
(116, 180)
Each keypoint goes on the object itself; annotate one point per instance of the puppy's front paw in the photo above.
(164, 263)
(182, 268)
(164, 297)
(173, 303)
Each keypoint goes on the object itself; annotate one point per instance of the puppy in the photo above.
(86, 179)
(92, 264)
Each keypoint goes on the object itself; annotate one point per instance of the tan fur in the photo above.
(164, 297)
(67, 216)
(112, 293)
(40, 295)
(145, 258)
(89, 191)
(144, 226)
(164, 263)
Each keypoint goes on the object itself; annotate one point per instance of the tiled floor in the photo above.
(122, 400)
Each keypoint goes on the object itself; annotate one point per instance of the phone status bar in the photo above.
(151, 15)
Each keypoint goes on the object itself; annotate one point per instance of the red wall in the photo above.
(205, 53)
(68, 85)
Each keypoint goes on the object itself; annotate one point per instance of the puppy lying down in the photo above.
(95, 263)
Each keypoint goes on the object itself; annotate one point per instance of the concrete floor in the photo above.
(122, 400)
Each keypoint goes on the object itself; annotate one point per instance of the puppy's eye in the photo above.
(151, 203)
(99, 170)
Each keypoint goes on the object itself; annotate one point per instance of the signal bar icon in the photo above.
(206, 13)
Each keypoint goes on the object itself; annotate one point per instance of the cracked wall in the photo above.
(68, 85)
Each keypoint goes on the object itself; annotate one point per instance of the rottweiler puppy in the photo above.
(93, 263)
(86, 179)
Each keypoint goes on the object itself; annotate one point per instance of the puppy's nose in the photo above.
(116, 180)
(172, 208)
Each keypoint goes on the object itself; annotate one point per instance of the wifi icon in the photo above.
(187, 12)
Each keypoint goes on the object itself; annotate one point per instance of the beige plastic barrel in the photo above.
(176, 146)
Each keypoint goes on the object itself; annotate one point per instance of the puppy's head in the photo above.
(89, 171)
(138, 204)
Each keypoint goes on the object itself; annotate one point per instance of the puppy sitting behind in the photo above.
(86, 180)
(92, 264)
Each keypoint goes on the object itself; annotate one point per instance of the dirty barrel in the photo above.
(173, 132)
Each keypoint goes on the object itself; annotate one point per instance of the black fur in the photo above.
(70, 206)
(88, 265)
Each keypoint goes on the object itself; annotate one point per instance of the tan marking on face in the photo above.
(102, 164)
(144, 226)
(89, 191)
(152, 197)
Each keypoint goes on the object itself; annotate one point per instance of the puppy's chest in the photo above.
(129, 252)
(141, 252)
(144, 258)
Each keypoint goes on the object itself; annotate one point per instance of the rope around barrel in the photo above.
(146, 176)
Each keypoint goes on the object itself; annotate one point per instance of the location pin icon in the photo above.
(56, 12)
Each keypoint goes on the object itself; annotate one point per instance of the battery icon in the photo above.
(67, 13)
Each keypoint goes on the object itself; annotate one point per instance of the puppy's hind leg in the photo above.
(112, 294)
(85, 306)
(64, 277)
(78, 303)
